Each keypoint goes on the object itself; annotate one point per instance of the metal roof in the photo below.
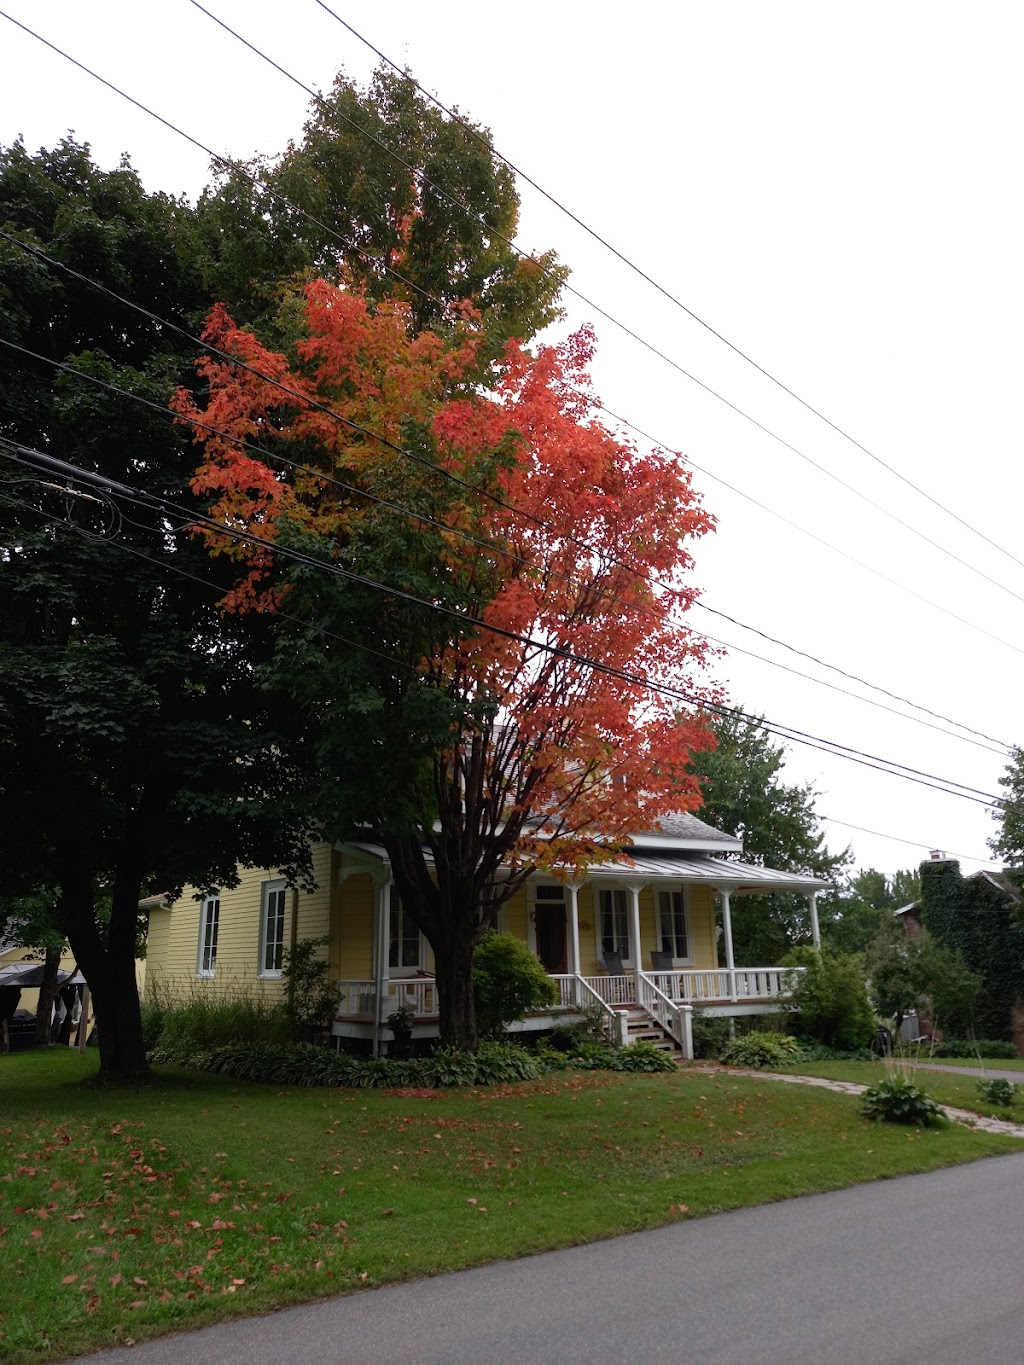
(695, 870)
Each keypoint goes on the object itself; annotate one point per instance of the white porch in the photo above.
(667, 997)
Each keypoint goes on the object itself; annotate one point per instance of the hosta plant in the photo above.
(898, 1100)
(998, 1092)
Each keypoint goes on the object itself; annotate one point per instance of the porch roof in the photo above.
(696, 870)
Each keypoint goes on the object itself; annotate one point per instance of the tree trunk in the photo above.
(453, 962)
(109, 969)
(47, 995)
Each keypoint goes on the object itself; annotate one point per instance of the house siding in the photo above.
(343, 908)
(173, 939)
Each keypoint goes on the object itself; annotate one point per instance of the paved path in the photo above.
(925, 1270)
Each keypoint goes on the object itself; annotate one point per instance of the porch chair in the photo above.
(661, 962)
(613, 964)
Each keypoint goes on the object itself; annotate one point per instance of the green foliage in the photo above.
(974, 1047)
(759, 1049)
(853, 919)
(979, 921)
(308, 1064)
(643, 1056)
(711, 1034)
(310, 996)
(135, 750)
(898, 1100)
(1008, 844)
(508, 982)
(375, 209)
(830, 998)
(819, 1052)
(207, 1020)
(998, 1092)
(503, 1063)
(744, 794)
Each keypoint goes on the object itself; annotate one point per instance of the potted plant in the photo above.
(400, 1021)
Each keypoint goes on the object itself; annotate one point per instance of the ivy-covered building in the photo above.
(980, 917)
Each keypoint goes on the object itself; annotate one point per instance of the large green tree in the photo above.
(745, 794)
(135, 750)
(1008, 844)
(868, 896)
(375, 189)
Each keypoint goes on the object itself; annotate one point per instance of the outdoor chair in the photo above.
(613, 964)
(661, 962)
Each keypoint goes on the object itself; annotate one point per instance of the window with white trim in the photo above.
(672, 926)
(273, 912)
(209, 926)
(614, 908)
(406, 945)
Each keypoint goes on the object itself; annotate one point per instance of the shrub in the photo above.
(998, 1092)
(311, 1000)
(589, 1028)
(898, 1100)
(206, 1020)
(550, 1058)
(447, 1067)
(982, 1047)
(818, 1052)
(758, 1049)
(710, 1035)
(830, 998)
(502, 1063)
(643, 1056)
(508, 982)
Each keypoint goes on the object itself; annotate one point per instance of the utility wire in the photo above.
(166, 566)
(424, 179)
(425, 518)
(40, 461)
(242, 170)
(914, 843)
(661, 289)
(158, 320)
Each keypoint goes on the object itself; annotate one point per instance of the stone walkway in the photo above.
(851, 1088)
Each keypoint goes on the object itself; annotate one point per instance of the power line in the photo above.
(661, 289)
(424, 179)
(240, 169)
(52, 262)
(405, 511)
(35, 459)
(913, 843)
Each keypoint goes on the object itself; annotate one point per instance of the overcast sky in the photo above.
(834, 188)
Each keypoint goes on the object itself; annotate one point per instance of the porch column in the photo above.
(812, 904)
(571, 889)
(730, 961)
(634, 934)
(382, 940)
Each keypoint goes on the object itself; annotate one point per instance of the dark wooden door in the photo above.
(549, 921)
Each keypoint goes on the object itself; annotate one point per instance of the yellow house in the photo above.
(634, 939)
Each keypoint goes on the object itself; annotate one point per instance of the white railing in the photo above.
(674, 1018)
(615, 1024)
(568, 995)
(359, 998)
(751, 983)
(612, 990)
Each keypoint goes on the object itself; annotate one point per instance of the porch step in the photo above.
(640, 1025)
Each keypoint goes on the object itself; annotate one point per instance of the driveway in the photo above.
(925, 1270)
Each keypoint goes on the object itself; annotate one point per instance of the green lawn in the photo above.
(127, 1214)
(948, 1088)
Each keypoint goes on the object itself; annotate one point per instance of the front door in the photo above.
(549, 922)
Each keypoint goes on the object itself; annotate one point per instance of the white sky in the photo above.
(833, 187)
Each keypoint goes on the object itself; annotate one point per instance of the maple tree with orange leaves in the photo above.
(470, 675)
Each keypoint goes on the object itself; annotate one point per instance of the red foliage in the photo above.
(589, 557)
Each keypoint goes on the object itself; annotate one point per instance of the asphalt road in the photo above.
(926, 1270)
